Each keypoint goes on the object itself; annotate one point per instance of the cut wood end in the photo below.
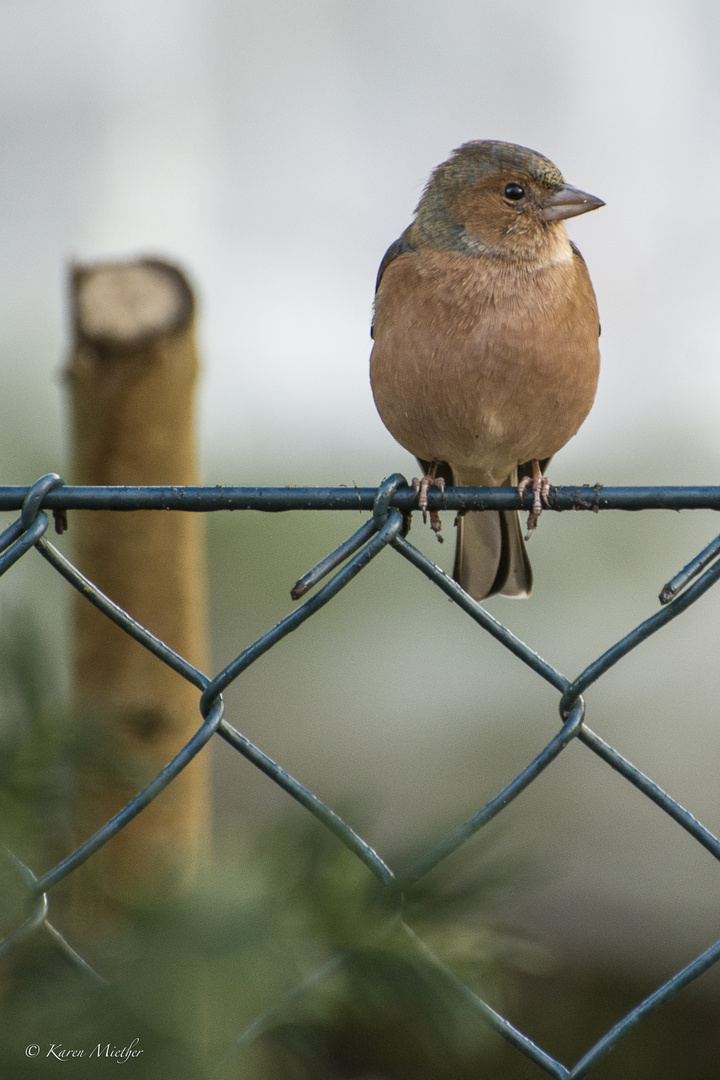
(125, 303)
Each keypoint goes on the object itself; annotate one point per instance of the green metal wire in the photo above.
(381, 534)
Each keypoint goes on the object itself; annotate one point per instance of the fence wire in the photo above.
(389, 505)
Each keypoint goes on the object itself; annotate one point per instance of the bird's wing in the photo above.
(578, 254)
(400, 247)
(576, 251)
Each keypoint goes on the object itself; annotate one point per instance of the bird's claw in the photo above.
(540, 488)
(421, 488)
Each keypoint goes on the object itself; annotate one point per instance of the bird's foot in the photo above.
(436, 525)
(421, 488)
(540, 488)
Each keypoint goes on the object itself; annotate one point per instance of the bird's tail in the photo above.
(490, 553)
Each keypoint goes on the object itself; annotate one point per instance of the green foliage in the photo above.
(284, 958)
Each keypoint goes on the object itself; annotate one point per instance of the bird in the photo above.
(485, 356)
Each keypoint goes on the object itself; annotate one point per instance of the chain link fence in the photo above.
(384, 532)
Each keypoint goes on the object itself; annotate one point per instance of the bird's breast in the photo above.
(482, 362)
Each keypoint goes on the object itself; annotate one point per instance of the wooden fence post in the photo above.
(131, 377)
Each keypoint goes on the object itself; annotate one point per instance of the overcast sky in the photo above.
(276, 148)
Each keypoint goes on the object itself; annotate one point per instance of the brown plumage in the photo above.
(486, 340)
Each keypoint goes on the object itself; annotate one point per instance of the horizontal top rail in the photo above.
(274, 499)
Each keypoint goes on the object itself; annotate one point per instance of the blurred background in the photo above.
(275, 149)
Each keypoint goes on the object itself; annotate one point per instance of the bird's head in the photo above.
(497, 198)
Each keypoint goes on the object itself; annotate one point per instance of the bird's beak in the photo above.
(568, 201)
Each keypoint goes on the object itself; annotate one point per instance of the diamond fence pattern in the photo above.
(384, 531)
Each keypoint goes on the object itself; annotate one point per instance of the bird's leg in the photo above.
(421, 487)
(540, 488)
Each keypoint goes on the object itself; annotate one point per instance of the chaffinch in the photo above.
(485, 358)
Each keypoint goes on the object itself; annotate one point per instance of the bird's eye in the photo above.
(514, 192)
